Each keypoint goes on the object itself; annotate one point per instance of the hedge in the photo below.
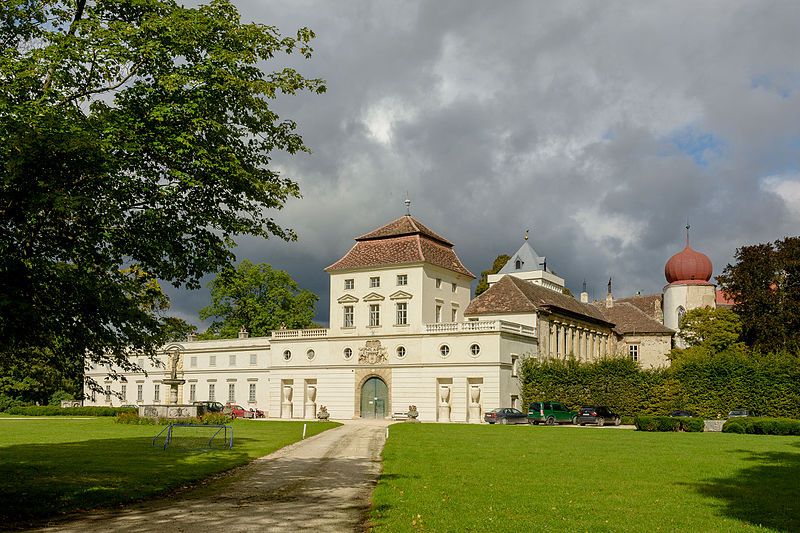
(213, 419)
(762, 426)
(710, 387)
(54, 410)
(668, 423)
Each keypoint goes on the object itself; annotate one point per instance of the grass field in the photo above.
(50, 466)
(520, 478)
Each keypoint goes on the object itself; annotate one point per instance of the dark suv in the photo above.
(209, 407)
(597, 414)
(550, 413)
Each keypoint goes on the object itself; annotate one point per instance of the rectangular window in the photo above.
(253, 359)
(438, 283)
(374, 282)
(252, 397)
(124, 392)
(140, 393)
(633, 351)
(232, 360)
(212, 392)
(231, 392)
(108, 393)
(193, 361)
(374, 315)
(156, 392)
(349, 284)
(212, 360)
(402, 314)
(454, 315)
(402, 279)
(192, 392)
(348, 316)
(454, 287)
(438, 314)
(140, 363)
(514, 366)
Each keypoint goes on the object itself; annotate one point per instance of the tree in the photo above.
(498, 264)
(765, 287)
(716, 329)
(133, 133)
(177, 329)
(259, 299)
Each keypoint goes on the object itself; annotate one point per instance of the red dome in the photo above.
(688, 265)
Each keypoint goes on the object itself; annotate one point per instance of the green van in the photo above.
(550, 413)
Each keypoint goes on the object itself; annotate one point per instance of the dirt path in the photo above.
(321, 484)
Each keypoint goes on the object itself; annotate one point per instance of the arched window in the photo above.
(518, 264)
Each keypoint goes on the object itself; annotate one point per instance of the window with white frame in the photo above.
(124, 392)
(232, 360)
(212, 360)
(253, 359)
(438, 314)
(374, 315)
(192, 392)
(475, 350)
(251, 397)
(193, 361)
(402, 279)
(212, 392)
(156, 392)
(402, 314)
(401, 352)
(633, 351)
(454, 315)
(108, 393)
(349, 284)
(444, 350)
(348, 316)
(438, 283)
(453, 287)
(287, 355)
(231, 392)
(374, 282)
(140, 393)
(348, 353)
(310, 354)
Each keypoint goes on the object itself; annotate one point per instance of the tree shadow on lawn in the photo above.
(43, 480)
(765, 494)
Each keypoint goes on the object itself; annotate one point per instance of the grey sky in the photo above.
(601, 126)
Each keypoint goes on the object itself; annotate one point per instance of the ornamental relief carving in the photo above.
(372, 353)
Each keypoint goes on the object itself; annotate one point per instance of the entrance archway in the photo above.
(374, 398)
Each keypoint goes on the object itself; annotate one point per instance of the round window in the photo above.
(444, 350)
(310, 354)
(401, 352)
(348, 353)
(474, 350)
(287, 354)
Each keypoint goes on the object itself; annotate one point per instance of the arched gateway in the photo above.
(374, 398)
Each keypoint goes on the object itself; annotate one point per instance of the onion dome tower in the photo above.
(688, 273)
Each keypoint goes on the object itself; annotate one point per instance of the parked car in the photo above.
(237, 411)
(597, 414)
(682, 413)
(550, 413)
(505, 415)
(737, 413)
(209, 407)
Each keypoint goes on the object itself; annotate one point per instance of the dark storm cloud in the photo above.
(601, 126)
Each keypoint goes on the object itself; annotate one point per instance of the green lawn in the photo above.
(50, 466)
(522, 478)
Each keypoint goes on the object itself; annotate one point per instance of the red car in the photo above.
(237, 411)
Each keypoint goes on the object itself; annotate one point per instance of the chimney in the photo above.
(191, 337)
(243, 334)
(584, 294)
(609, 297)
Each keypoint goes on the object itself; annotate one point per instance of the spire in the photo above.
(408, 205)
(609, 297)
(687, 231)
(526, 234)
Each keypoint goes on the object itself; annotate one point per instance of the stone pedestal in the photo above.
(286, 404)
(311, 402)
(168, 411)
(475, 405)
(444, 403)
(173, 389)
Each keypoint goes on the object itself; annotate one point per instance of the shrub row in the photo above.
(708, 386)
(214, 419)
(762, 426)
(54, 410)
(668, 423)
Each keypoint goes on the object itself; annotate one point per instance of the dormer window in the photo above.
(518, 264)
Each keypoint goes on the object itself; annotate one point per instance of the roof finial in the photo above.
(584, 285)
(687, 231)
(408, 205)
(526, 234)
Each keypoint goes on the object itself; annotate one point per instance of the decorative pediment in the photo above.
(373, 297)
(347, 299)
(401, 295)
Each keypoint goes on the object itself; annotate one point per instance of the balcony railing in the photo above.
(481, 325)
(299, 333)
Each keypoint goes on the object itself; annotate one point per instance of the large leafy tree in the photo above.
(133, 133)
(765, 287)
(715, 329)
(259, 299)
(498, 264)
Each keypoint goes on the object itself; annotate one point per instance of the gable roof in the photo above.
(529, 258)
(649, 304)
(628, 319)
(513, 295)
(402, 241)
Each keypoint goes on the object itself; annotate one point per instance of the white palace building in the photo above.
(405, 331)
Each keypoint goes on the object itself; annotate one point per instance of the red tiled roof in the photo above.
(402, 241)
(628, 318)
(513, 295)
(649, 304)
(723, 299)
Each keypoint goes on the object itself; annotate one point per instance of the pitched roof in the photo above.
(401, 241)
(649, 304)
(529, 258)
(513, 295)
(628, 318)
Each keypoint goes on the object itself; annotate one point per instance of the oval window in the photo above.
(310, 354)
(348, 353)
(475, 350)
(287, 354)
(401, 352)
(444, 350)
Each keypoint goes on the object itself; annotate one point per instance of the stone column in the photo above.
(563, 341)
(551, 345)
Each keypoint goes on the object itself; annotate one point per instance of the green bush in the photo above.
(54, 410)
(627, 420)
(762, 426)
(58, 396)
(692, 425)
(214, 419)
(668, 423)
(7, 402)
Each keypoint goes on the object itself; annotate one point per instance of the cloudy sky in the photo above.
(601, 126)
